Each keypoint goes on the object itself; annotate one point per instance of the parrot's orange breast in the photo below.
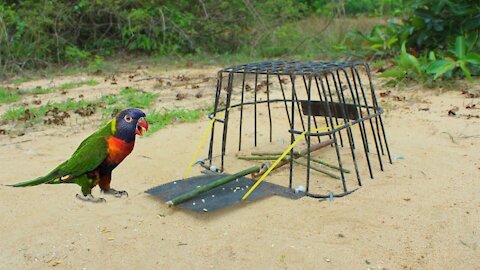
(118, 150)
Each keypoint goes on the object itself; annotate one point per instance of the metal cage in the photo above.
(307, 96)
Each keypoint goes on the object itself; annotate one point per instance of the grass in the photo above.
(20, 80)
(76, 84)
(36, 91)
(8, 96)
(158, 120)
(127, 98)
(37, 113)
(132, 97)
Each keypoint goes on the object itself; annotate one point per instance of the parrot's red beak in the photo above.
(142, 126)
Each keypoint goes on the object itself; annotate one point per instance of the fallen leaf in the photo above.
(453, 111)
(385, 94)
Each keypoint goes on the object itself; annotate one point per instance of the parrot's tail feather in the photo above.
(34, 182)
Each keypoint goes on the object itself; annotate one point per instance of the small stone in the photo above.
(205, 210)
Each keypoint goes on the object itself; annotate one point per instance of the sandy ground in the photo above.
(422, 212)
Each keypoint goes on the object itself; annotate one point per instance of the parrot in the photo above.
(97, 156)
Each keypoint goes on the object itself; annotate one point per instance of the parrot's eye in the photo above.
(128, 118)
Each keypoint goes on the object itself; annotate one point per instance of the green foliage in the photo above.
(458, 58)
(132, 97)
(36, 114)
(75, 55)
(158, 120)
(127, 98)
(355, 7)
(77, 84)
(35, 91)
(435, 24)
(443, 37)
(383, 41)
(8, 96)
(408, 67)
(36, 33)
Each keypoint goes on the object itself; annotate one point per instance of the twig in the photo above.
(263, 158)
(5, 144)
(317, 169)
(329, 165)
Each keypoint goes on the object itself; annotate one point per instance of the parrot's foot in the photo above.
(116, 193)
(90, 198)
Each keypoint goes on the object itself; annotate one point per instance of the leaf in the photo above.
(431, 56)
(466, 72)
(392, 41)
(440, 67)
(473, 58)
(460, 47)
(398, 73)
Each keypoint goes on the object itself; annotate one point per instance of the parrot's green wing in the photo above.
(88, 156)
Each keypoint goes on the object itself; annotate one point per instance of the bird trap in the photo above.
(285, 113)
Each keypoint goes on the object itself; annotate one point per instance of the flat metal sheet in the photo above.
(219, 197)
(320, 108)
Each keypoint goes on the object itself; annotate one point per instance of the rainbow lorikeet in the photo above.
(96, 157)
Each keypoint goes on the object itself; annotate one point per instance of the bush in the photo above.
(36, 33)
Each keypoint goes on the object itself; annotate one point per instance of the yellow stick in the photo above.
(281, 158)
(199, 148)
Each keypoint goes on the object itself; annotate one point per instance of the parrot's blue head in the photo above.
(129, 123)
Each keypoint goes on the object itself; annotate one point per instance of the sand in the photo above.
(422, 212)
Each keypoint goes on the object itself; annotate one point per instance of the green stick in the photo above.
(261, 158)
(329, 165)
(202, 189)
(317, 169)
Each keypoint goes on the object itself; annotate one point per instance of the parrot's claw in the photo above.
(116, 193)
(90, 198)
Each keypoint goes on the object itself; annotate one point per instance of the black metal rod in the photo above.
(361, 125)
(308, 88)
(344, 102)
(370, 120)
(241, 113)
(255, 111)
(329, 112)
(372, 89)
(297, 101)
(215, 107)
(331, 100)
(284, 99)
(321, 99)
(227, 113)
(271, 101)
(292, 126)
(349, 130)
(269, 109)
(309, 124)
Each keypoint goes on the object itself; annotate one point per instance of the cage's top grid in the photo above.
(291, 67)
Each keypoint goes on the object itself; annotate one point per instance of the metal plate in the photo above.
(319, 108)
(219, 197)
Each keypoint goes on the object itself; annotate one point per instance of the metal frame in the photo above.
(328, 84)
